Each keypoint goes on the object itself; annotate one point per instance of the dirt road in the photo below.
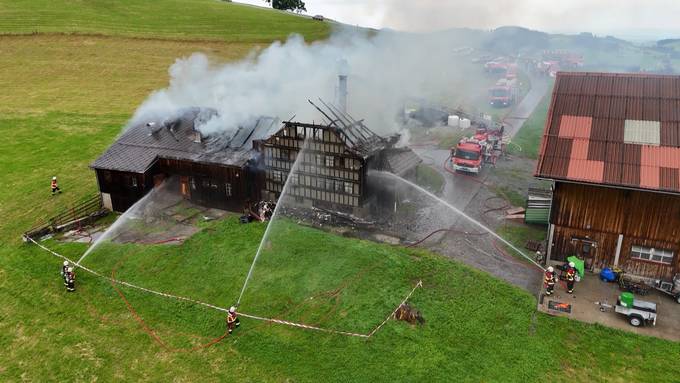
(469, 194)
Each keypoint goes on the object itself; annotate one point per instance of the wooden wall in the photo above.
(208, 184)
(599, 214)
(125, 188)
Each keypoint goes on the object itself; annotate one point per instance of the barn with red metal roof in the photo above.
(611, 144)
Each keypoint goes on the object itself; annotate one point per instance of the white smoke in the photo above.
(385, 69)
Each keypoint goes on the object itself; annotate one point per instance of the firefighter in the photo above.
(232, 319)
(64, 272)
(55, 186)
(571, 277)
(70, 279)
(549, 280)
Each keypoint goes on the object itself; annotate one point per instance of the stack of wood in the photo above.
(515, 213)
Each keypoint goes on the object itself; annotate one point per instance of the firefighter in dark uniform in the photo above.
(571, 277)
(549, 280)
(64, 272)
(232, 319)
(70, 280)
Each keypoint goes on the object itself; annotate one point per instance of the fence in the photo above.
(83, 212)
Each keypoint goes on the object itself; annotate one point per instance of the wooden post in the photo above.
(618, 250)
(550, 244)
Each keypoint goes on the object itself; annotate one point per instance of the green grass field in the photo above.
(64, 100)
(527, 141)
(168, 19)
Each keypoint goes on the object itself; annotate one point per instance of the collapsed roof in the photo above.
(138, 148)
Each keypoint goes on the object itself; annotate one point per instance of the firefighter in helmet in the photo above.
(70, 279)
(232, 319)
(571, 277)
(64, 272)
(549, 280)
(55, 186)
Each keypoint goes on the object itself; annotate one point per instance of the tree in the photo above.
(288, 5)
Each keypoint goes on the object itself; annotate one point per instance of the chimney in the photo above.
(197, 136)
(342, 92)
(343, 71)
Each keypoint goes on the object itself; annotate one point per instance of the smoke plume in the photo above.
(386, 69)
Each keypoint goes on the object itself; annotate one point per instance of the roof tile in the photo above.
(584, 140)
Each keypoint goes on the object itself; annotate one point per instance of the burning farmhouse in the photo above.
(328, 162)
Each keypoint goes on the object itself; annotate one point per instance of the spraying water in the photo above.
(458, 211)
(271, 220)
(129, 214)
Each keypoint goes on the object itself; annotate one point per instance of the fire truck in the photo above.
(471, 153)
(504, 93)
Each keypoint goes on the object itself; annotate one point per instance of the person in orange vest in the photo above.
(549, 280)
(571, 277)
(70, 279)
(55, 186)
(232, 319)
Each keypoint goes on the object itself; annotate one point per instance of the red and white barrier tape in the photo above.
(272, 320)
(419, 284)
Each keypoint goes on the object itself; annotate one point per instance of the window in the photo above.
(348, 188)
(330, 161)
(227, 188)
(133, 181)
(319, 159)
(652, 254)
(276, 176)
(294, 178)
(193, 183)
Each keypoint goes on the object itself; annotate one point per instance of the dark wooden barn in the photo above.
(336, 158)
(611, 145)
(236, 169)
(219, 171)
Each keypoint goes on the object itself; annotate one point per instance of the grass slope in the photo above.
(527, 141)
(64, 98)
(185, 19)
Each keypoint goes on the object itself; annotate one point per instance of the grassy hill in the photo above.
(185, 19)
(65, 97)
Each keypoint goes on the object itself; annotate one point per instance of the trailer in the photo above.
(638, 312)
(671, 288)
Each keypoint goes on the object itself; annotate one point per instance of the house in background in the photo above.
(611, 144)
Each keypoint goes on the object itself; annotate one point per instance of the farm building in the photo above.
(231, 171)
(611, 144)
(336, 157)
(216, 171)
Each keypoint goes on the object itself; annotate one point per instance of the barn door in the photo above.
(184, 187)
(586, 251)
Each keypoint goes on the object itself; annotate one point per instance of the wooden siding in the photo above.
(584, 213)
(327, 174)
(223, 187)
(125, 188)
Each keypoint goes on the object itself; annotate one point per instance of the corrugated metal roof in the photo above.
(642, 132)
(613, 129)
(138, 148)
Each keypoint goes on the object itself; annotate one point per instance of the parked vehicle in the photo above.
(471, 153)
(671, 288)
(638, 312)
(504, 93)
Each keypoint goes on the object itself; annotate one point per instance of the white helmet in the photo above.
(65, 263)
(70, 269)
(54, 178)
(572, 264)
(550, 268)
(232, 309)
